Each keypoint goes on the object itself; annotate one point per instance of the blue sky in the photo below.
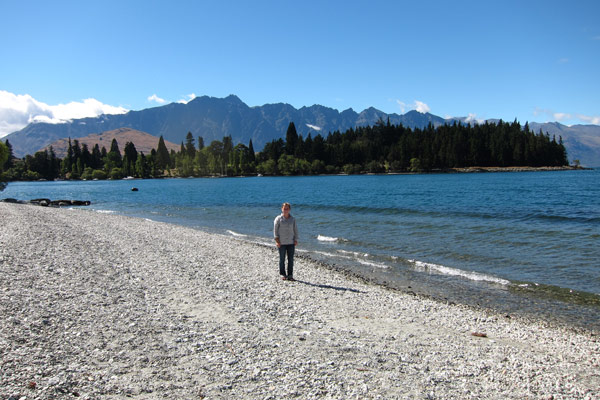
(529, 60)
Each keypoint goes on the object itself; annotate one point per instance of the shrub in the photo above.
(374, 167)
(317, 167)
(352, 169)
(331, 169)
(98, 174)
(87, 173)
(395, 166)
(415, 165)
(267, 168)
(116, 173)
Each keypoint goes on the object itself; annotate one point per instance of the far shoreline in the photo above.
(456, 170)
(519, 169)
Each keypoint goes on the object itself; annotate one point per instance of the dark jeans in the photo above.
(289, 250)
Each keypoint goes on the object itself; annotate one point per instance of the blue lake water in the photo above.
(526, 242)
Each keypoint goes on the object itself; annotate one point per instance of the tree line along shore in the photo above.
(382, 148)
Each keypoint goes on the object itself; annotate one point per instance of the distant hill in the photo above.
(144, 142)
(213, 118)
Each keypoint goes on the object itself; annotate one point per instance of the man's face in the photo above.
(285, 210)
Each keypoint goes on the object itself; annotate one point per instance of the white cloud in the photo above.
(157, 99)
(316, 128)
(402, 106)
(188, 98)
(421, 107)
(473, 118)
(561, 116)
(594, 120)
(470, 118)
(417, 105)
(568, 118)
(17, 111)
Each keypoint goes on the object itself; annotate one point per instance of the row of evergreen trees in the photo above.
(374, 149)
(395, 148)
(81, 163)
(220, 158)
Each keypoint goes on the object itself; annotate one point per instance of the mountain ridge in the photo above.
(213, 118)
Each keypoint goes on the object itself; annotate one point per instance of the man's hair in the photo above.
(286, 204)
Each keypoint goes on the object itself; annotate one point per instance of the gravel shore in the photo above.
(104, 306)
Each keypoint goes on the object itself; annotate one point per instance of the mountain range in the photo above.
(213, 118)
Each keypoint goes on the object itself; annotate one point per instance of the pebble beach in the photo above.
(97, 306)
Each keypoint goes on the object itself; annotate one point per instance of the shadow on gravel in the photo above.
(343, 289)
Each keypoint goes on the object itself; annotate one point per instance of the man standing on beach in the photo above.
(285, 232)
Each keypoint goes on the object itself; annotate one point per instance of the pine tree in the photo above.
(251, 154)
(291, 139)
(96, 159)
(68, 160)
(162, 155)
(86, 157)
(54, 164)
(76, 150)
(227, 147)
(10, 162)
(130, 152)
(114, 156)
(189, 145)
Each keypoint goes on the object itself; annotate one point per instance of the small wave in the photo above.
(232, 233)
(323, 238)
(352, 256)
(324, 253)
(352, 253)
(474, 276)
(373, 264)
(265, 243)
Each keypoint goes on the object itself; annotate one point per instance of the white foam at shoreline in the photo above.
(353, 253)
(232, 233)
(105, 211)
(323, 238)
(373, 264)
(474, 276)
(353, 256)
